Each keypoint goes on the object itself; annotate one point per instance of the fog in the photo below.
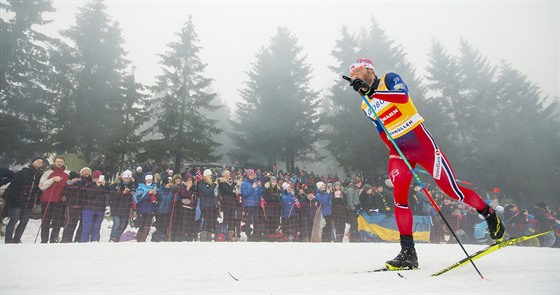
(523, 33)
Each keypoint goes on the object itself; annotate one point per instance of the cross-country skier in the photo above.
(390, 99)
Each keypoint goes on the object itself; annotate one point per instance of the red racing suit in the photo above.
(399, 115)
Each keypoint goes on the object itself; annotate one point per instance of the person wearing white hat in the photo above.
(290, 204)
(138, 174)
(324, 196)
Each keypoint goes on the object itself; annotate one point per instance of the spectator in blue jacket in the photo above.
(165, 197)
(144, 198)
(251, 191)
(324, 196)
(289, 206)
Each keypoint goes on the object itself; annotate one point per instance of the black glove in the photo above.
(360, 86)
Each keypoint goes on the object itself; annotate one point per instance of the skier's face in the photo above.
(365, 74)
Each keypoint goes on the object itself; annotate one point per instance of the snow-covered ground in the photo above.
(266, 268)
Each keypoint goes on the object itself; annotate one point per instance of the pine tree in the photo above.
(278, 116)
(24, 67)
(127, 139)
(223, 140)
(444, 81)
(186, 133)
(474, 107)
(98, 69)
(523, 154)
(348, 132)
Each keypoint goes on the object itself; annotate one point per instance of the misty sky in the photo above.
(523, 33)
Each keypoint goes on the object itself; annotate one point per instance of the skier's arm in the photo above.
(397, 91)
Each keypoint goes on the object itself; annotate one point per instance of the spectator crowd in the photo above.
(231, 204)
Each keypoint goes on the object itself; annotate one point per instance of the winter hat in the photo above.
(499, 209)
(207, 172)
(37, 158)
(149, 176)
(188, 175)
(84, 169)
(285, 185)
(127, 174)
(360, 63)
(338, 184)
(309, 191)
(366, 187)
(96, 174)
(320, 184)
(138, 168)
(273, 178)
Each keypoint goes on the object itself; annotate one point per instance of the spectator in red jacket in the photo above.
(52, 184)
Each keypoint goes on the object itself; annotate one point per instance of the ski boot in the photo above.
(407, 258)
(495, 225)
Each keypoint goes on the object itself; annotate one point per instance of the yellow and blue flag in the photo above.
(378, 227)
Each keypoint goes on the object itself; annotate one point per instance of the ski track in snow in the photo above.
(266, 268)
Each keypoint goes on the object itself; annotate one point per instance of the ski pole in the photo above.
(436, 207)
(43, 217)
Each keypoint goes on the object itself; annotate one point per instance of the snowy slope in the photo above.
(266, 268)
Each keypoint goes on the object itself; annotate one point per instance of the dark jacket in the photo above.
(187, 197)
(23, 190)
(339, 208)
(272, 194)
(96, 197)
(308, 209)
(121, 203)
(207, 197)
(226, 189)
(165, 198)
(6, 175)
(367, 202)
(382, 203)
(76, 190)
(544, 219)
